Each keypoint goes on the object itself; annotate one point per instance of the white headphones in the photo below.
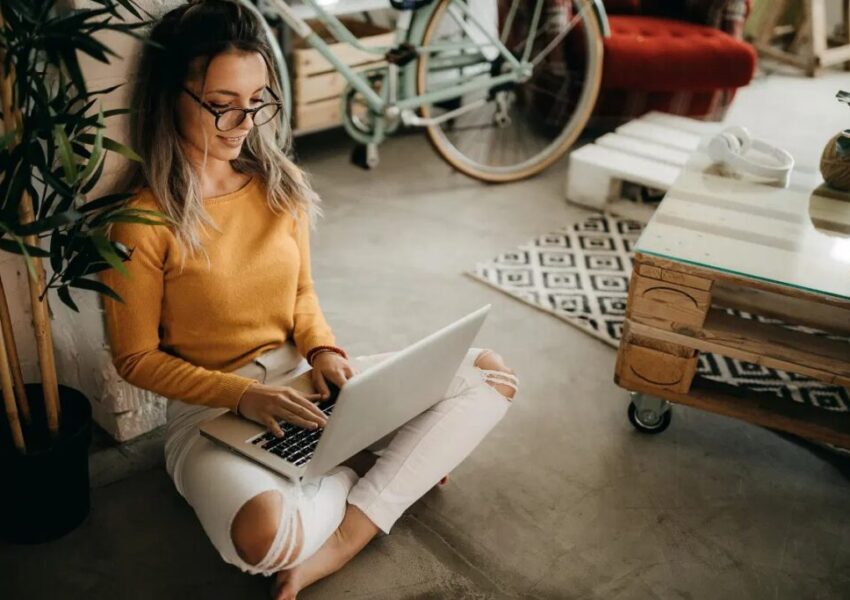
(732, 144)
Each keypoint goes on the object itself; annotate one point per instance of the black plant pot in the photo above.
(45, 492)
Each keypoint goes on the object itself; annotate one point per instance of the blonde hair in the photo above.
(183, 41)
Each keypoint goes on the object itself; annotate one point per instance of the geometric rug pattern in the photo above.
(581, 273)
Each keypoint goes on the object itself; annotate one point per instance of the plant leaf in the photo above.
(97, 148)
(95, 286)
(112, 146)
(66, 154)
(104, 248)
(105, 201)
(65, 296)
(56, 254)
(89, 185)
(24, 249)
(133, 215)
(51, 222)
(7, 138)
(131, 7)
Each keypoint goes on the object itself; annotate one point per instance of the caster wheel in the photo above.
(365, 156)
(649, 421)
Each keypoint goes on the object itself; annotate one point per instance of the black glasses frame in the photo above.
(245, 111)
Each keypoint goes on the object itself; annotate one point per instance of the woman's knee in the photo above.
(255, 528)
(500, 377)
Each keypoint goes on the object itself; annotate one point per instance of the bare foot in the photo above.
(351, 537)
(287, 584)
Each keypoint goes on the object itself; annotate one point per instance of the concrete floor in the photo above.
(564, 499)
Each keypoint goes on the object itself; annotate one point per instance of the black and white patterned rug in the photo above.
(581, 273)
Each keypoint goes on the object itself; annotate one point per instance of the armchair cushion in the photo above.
(656, 54)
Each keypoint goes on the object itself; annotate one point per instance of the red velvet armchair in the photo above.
(685, 57)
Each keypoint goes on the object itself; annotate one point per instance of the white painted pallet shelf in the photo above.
(649, 151)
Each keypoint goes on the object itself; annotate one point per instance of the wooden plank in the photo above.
(324, 85)
(644, 148)
(770, 14)
(676, 277)
(648, 271)
(686, 280)
(763, 344)
(781, 55)
(664, 304)
(630, 337)
(305, 11)
(318, 114)
(665, 263)
(625, 166)
(656, 369)
(816, 10)
(836, 55)
(310, 61)
(845, 22)
(695, 126)
(763, 409)
(666, 136)
(792, 310)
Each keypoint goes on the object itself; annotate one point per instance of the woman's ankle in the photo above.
(355, 532)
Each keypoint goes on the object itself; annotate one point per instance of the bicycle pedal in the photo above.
(402, 54)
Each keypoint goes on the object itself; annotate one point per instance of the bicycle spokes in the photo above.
(547, 55)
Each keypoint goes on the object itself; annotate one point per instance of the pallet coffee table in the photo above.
(720, 241)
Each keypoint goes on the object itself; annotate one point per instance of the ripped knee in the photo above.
(496, 374)
(261, 535)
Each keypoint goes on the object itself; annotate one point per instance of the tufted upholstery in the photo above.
(679, 56)
(662, 55)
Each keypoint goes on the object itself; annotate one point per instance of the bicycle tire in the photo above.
(563, 142)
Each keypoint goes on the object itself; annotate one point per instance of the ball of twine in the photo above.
(835, 168)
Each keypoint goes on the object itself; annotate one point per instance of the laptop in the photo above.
(370, 405)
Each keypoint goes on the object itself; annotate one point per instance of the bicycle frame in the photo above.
(395, 102)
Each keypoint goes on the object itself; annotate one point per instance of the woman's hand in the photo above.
(268, 404)
(330, 366)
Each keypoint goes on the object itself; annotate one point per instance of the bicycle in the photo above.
(496, 95)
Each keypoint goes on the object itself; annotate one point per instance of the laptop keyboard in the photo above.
(297, 444)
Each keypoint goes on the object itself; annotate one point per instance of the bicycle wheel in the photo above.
(515, 130)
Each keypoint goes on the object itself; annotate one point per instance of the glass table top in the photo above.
(796, 236)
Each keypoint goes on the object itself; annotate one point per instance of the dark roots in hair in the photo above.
(202, 30)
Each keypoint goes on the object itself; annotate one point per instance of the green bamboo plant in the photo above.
(52, 153)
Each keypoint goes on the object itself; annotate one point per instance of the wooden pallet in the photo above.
(675, 310)
(649, 151)
(810, 48)
(317, 87)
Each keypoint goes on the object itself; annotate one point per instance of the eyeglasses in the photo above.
(230, 118)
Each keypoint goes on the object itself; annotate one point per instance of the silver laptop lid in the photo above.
(378, 400)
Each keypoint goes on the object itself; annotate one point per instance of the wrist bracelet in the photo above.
(318, 349)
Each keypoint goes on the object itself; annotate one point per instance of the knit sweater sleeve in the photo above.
(310, 327)
(133, 327)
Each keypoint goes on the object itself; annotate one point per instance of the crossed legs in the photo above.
(256, 524)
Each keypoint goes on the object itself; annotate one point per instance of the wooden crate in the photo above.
(675, 310)
(317, 87)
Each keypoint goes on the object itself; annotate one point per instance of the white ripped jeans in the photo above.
(412, 459)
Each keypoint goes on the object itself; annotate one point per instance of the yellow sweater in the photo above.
(179, 333)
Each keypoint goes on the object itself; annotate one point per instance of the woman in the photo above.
(217, 318)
